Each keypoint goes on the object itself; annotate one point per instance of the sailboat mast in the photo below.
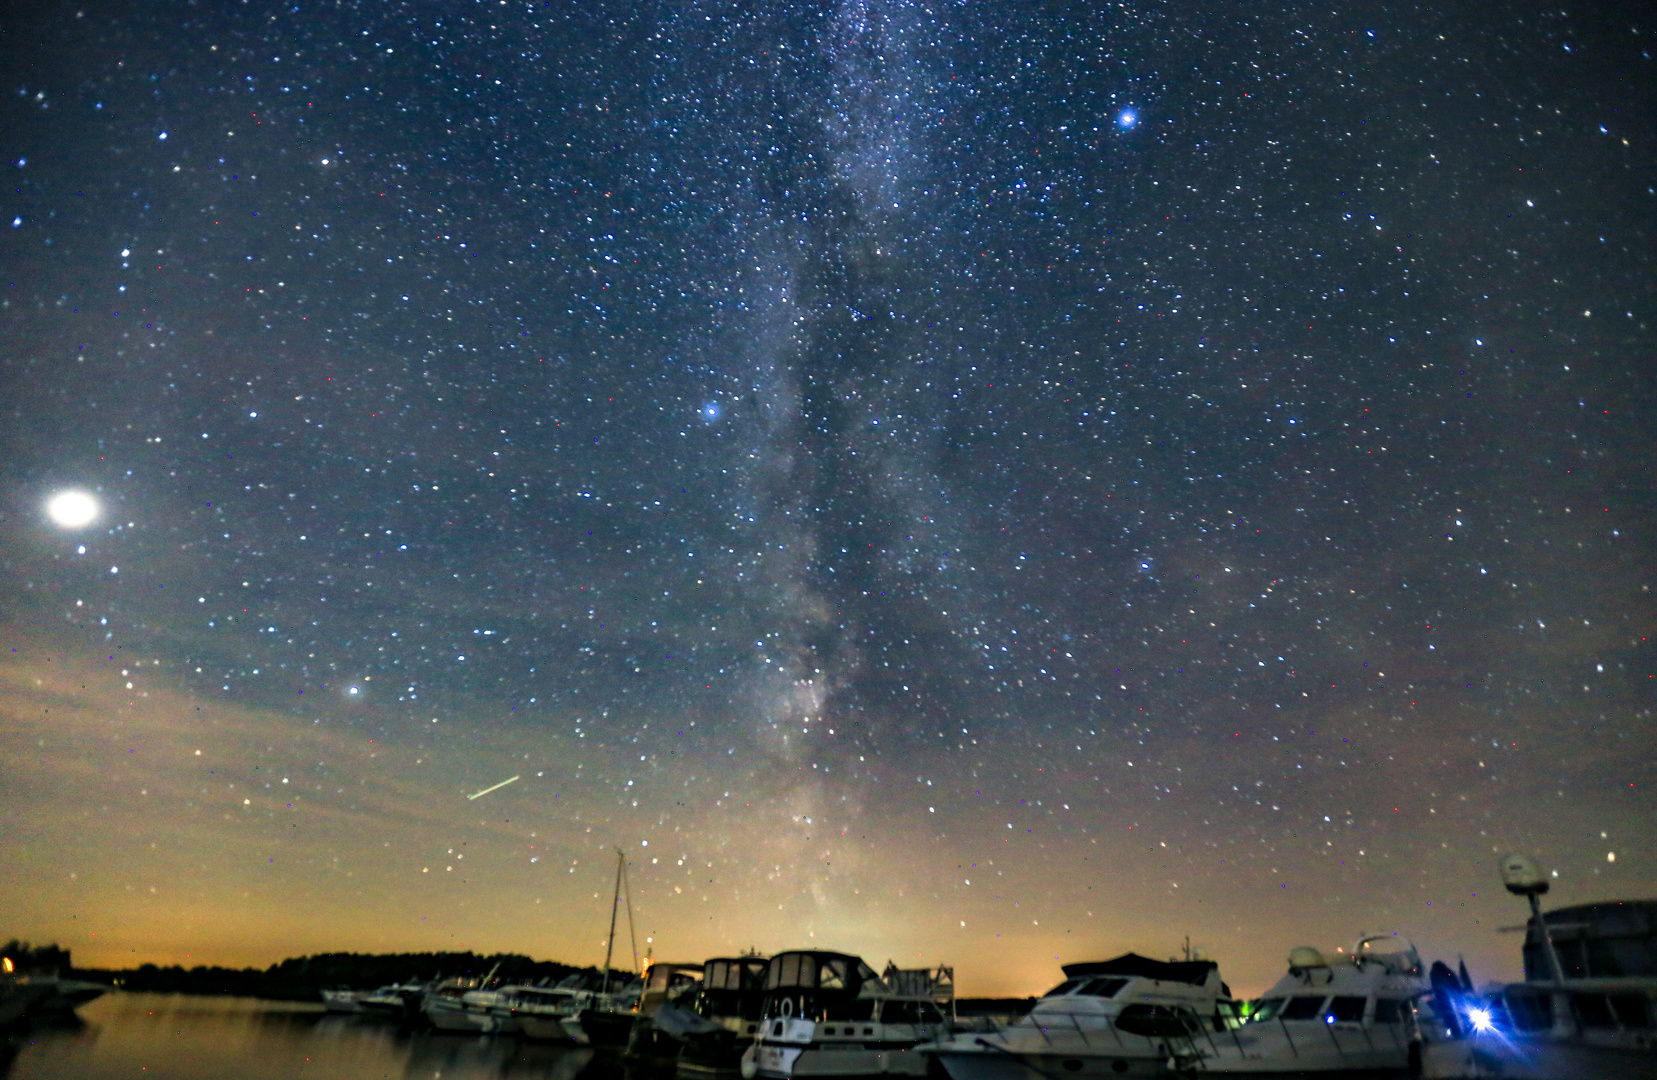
(610, 944)
(632, 936)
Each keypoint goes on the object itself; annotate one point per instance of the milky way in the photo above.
(998, 484)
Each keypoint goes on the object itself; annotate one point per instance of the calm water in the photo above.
(182, 1037)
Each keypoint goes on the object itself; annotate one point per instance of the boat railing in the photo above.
(1120, 1039)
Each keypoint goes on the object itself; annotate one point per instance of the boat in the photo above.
(343, 1001)
(827, 1014)
(665, 984)
(465, 1006)
(545, 1013)
(728, 1006)
(606, 1022)
(399, 1001)
(1587, 1008)
(1128, 1016)
(1335, 1015)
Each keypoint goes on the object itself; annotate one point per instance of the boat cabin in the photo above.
(733, 986)
(821, 986)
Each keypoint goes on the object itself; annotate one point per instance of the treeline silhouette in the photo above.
(299, 978)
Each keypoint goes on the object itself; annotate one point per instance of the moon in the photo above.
(72, 509)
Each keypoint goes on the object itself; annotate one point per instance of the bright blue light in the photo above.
(710, 411)
(1481, 1019)
(1128, 118)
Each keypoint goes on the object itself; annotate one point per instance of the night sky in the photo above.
(983, 483)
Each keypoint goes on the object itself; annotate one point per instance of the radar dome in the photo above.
(1522, 876)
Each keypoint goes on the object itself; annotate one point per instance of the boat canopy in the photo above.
(1194, 972)
(822, 971)
(734, 973)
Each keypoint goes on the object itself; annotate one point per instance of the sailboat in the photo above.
(607, 1021)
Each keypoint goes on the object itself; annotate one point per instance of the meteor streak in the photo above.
(487, 790)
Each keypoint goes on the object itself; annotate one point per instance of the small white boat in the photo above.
(462, 1006)
(542, 1011)
(1332, 1015)
(828, 1014)
(343, 1001)
(398, 1000)
(1131, 1016)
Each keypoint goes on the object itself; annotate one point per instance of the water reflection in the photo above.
(181, 1037)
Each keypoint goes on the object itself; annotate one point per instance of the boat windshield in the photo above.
(1266, 1010)
(1064, 988)
(1103, 988)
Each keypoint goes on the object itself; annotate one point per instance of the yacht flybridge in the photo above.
(1131, 1016)
(828, 1014)
(1332, 1015)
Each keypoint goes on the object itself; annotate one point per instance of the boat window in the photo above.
(1346, 1010)
(716, 975)
(867, 980)
(1157, 1021)
(788, 970)
(844, 1009)
(1267, 1010)
(1064, 988)
(1103, 987)
(1389, 1011)
(832, 975)
(1531, 1012)
(899, 1012)
(1592, 1010)
(1303, 1008)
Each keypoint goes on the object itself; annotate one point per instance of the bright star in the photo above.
(1128, 118)
(72, 509)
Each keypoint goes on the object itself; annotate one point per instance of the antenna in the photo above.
(1524, 877)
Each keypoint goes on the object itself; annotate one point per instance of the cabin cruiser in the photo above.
(400, 1001)
(1332, 1014)
(542, 1012)
(665, 984)
(1131, 1016)
(1587, 1008)
(725, 1016)
(463, 1005)
(828, 1014)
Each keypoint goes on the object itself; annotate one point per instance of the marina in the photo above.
(1585, 1010)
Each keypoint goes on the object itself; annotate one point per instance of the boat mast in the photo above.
(632, 935)
(610, 944)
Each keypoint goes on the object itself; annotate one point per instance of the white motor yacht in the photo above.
(828, 1014)
(542, 1012)
(1332, 1015)
(461, 1005)
(1131, 1016)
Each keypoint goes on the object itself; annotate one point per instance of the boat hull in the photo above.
(606, 1030)
(471, 1022)
(782, 1062)
(993, 1065)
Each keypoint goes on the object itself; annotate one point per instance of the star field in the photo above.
(998, 484)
